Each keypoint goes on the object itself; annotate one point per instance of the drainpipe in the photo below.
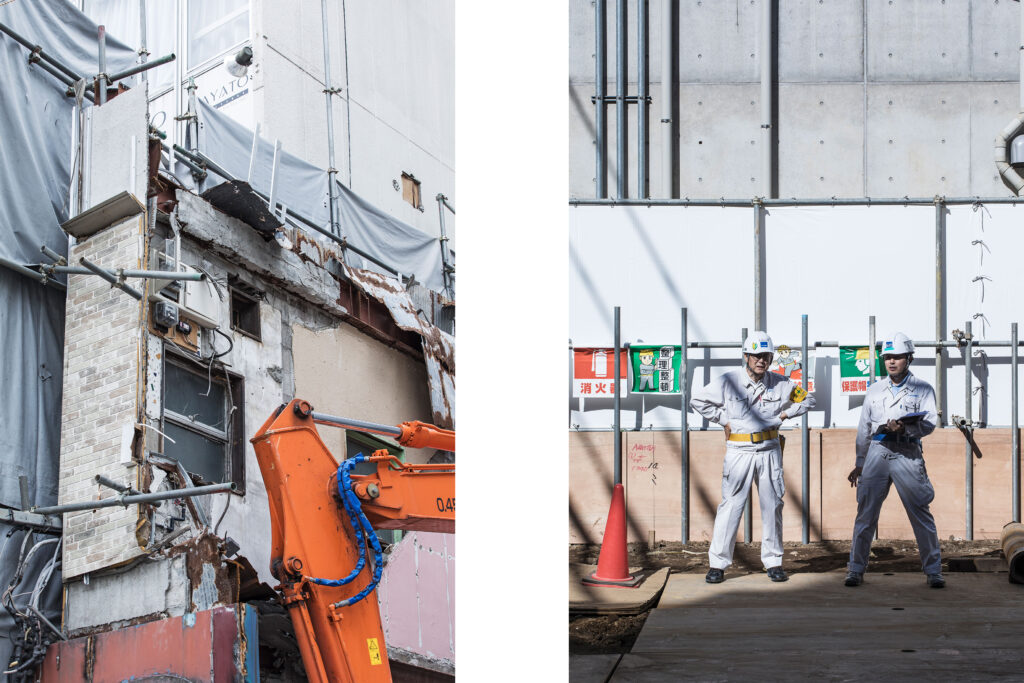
(766, 98)
(328, 93)
(620, 98)
(641, 100)
(600, 82)
(666, 99)
(1009, 175)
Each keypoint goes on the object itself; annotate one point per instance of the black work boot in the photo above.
(715, 576)
(936, 580)
(777, 574)
(853, 579)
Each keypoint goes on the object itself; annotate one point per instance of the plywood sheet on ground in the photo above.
(585, 599)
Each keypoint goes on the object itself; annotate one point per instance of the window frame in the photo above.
(233, 437)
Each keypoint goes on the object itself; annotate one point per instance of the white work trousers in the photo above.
(904, 467)
(743, 466)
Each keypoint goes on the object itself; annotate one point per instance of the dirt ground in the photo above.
(612, 634)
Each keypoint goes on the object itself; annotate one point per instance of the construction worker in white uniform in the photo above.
(751, 404)
(898, 411)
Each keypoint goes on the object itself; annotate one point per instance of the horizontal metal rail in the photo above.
(35, 275)
(126, 500)
(113, 78)
(793, 201)
(112, 278)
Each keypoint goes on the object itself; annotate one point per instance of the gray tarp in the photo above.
(302, 187)
(35, 168)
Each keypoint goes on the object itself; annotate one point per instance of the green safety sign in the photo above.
(855, 369)
(654, 369)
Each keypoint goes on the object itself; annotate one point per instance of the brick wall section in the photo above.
(101, 371)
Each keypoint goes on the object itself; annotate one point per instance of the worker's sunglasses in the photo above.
(766, 357)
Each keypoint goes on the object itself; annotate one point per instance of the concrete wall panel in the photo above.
(718, 41)
(896, 51)
(582, 141)
(719, 141)
(821, 140)
(992, 107)
(820, 41)
(918, 139)
(993, 48)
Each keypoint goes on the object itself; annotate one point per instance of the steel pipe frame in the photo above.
(617, 403)
(1014, 427)
(748, 509)
(600, 92)
(667, 166)
(805, 446)
(940, 309)
(328, 93)
(111, 278)
(29, 273)
(765, 201)
(446, 269)
(641, 111)
(684, 395)
(969, 429)
(620, 99)
(125, 500)
(141, 274)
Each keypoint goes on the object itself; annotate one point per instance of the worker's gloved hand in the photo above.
(854, 475)
(894, 426)
(727, 430)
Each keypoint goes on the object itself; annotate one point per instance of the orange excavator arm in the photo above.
(321, 536)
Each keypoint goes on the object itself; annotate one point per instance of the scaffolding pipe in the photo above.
(125, 501)
(666, 98)
(142, 274)
(805, 446)
(40, 277)
(617, 386)
(940, 306)
(758, 257)
(641, 110)
(792, 201)
(111, 484)
(449, 291)
(1014, 431)
(328, 93)
(101, 77)
(143, 52)
(871, 350)
(968, 432)
(39, 51)
(111, 278)
(620, 98)
(141, 68)
(684, 394)
(600, 85)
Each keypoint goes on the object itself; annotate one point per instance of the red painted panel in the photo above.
(203, 651)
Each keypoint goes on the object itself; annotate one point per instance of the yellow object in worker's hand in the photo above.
(798, 394)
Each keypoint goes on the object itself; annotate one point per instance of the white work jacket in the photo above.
(748, 406)
(881, 404)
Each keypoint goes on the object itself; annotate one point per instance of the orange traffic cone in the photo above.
(612, 565)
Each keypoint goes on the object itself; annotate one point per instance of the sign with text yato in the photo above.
(855, 369)
(593, 372)
(789, 363)
(654, 369)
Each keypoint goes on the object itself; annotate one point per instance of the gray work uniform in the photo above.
(895, 460)
(749, 407)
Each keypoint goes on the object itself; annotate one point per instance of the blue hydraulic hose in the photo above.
(363, 529)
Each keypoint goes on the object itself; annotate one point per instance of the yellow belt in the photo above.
(756, 437)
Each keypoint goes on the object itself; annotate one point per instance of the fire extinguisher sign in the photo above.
(593, 371)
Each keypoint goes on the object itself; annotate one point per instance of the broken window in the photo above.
(411, 190)
(214, 27)
(203, 423)
(245, 314)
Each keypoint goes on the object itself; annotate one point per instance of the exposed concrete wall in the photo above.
(875, 98)
(102, 371)
(652, 478)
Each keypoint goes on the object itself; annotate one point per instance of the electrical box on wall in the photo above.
(200, 300)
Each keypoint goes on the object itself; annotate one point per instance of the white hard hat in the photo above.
(758, 342)
(896, 345)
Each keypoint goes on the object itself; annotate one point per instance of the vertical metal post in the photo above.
(805, 446)
(968, 429)
(641, 106)
(449, 290)
(666, 98)
(871, 350)
(1014, 431)
(328, 94)
(143, 52)
(101, 78)
(748, 508)
(940, 307)
(616, 384)
(759, 323)
(193, 116)
(620, 98)
(684, 395)
(600, 83)
(766, 98)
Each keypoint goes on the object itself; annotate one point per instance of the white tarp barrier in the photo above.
(838, 265)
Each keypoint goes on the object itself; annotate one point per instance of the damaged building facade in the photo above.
(213, 275)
